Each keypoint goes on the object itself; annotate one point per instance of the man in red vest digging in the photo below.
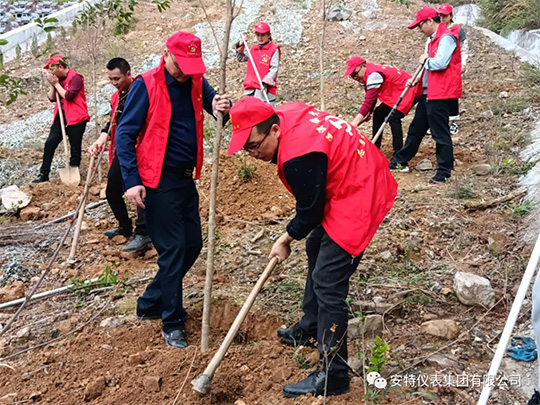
(441, 82)
(163, 117)
(70, 87)
(266, 57)
(385, 83)
(119, 73)
(343, 191)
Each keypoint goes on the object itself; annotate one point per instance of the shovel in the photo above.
(398, 102)
(70, 174)
(201, 384)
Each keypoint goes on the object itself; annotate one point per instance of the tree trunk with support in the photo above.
(213, 186)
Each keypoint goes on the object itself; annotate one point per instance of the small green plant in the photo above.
(521, 209)
(378, 355)
(106, 279)
(244, 169)
(463, 192)
(359, 314)
(302, 361)
(418, 299)
(510, 166)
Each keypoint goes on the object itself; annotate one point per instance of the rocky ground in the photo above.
(410, 286)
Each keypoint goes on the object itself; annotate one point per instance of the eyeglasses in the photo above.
(355, 73)
(253, 148)
(422, 23)
(174, 61)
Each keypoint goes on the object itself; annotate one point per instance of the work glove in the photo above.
(523, 349)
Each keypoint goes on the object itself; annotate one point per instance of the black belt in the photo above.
(180, 171)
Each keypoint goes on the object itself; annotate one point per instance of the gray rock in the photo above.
(94, 389)
(443, 328)
(488, 114)
(355, 364)
(424, 165)
(386, 255)
(339, 13)
(482, 169)
(111, 322)
(445, 362)
(378, 305)
(504, 94)
(370, 326)
(473, 290)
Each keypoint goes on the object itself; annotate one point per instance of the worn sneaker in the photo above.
(139, 242)
(111, 233)
(439, 178)
(175, 338)
(41, 178)
(295, 336)
(395, 166)
(454, 128)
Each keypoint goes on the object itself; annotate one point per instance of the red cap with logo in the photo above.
(423, 14)
(186, 47)
(446, 9)
(261, 28)
(352, 64)
(245, 114)
(55, 60)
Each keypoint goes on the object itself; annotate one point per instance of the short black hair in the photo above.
(119, 63)
(437, 19)
(264, 127)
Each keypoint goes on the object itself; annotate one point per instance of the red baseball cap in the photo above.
(186, 47)
(261, 28)
(245, 114)
(423, 14)
(352, 64)
(55, 59)
(446, 9)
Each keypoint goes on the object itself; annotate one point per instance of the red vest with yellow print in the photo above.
(76, 110)
(152, 142)
(445, 84)
(360, 189)
(261, 57)
(393, 85)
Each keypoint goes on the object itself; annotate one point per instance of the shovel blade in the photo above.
(70, 175)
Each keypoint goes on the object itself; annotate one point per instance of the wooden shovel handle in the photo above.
(216, 360)
(62, 125)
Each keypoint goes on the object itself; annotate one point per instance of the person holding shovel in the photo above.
(119, 74)
(441, 82)
(384, 83)
(265, 55)
(343, 191)
(69, 85)
(159, 144)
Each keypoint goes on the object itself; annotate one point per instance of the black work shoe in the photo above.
(535, 399)
(111, 233)
(175, 338)
(439, 178)
(42, 177)
(295, 336)
(139, 242)
(403, 168)
(314, 384)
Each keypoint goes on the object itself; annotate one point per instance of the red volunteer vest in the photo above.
(153, 137)
(394, 83)
(262, 58)
(114, 123)
(76, 110)
(445, 84)
(360, 189)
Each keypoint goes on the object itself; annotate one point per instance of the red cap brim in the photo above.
(414, 24)
(238, 140)
(191, 66)
(349, 70)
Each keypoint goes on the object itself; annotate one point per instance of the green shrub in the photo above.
(508, 15)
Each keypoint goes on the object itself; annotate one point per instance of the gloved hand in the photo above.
(523, 349)
(240, 48)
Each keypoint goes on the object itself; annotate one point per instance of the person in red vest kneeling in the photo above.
(384, 83)
(441, 83)
(159, 144)
(119, 74)
(266, 56)
(343, 191)
(70, 87)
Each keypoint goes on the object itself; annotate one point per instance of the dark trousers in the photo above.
(430, 114)
(327, 287)
(454, 107)
(115, 198)
(379, 114)
(74, 133)
(172, 213)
